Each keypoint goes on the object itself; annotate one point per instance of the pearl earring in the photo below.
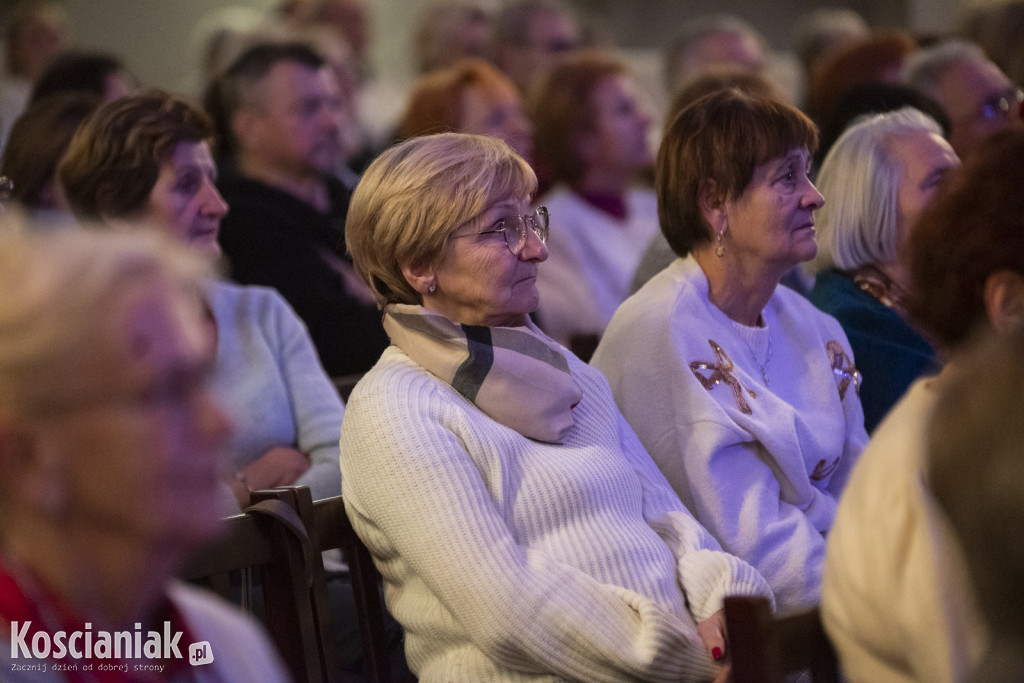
(720, 245)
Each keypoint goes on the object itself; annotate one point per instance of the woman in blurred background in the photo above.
(470, 96)
(879, 175)
(147, 158)
(591, 144)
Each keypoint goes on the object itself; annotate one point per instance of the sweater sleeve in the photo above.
(706, 573)
(737, 495)
(415, 491)
(316, 407)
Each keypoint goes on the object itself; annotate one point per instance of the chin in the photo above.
(207, 247)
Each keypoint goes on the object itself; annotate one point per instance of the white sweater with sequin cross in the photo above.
(756, 428)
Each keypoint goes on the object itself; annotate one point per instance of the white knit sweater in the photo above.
(269, 379)
(765, 480)
(511, 559)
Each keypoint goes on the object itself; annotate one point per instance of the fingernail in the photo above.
(716, 652)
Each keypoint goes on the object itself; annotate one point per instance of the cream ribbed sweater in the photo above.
(510, 559)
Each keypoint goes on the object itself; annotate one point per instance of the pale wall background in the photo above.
(155, 36)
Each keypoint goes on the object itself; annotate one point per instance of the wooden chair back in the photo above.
(330, 528)
(344, 384)
(272, 538)
(765, 648)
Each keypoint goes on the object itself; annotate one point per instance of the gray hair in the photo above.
(56, 287)
(860, 179)
(679, 66)
(923, 69)
(512, 22)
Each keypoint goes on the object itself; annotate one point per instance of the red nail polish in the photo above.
(716, 652)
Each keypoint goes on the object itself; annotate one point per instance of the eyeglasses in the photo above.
(1001, 104)
(514, 229)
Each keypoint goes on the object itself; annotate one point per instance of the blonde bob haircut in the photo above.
(859, 224)
(416, 194)
(722, 137)
(57, 291)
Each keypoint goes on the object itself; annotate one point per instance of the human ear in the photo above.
(1004, 301)
(243, 123)
(33, 474)
(711, 204)
(422, 277)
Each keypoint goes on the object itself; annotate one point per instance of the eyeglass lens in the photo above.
(515, 229)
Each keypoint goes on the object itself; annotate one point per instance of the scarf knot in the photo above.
(516, 375)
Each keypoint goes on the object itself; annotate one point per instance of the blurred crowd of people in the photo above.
(795, 300)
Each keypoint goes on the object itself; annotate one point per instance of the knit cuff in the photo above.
(707, 576)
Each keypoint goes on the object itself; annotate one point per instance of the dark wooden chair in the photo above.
(330, 528)
(345, 383)
(765, 647)
(271, 538)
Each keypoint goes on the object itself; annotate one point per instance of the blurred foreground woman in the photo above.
(109, 462)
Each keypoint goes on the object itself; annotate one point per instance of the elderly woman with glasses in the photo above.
(878, 177)
(522, 531)
(743, 392)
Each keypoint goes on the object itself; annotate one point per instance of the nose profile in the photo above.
(813, 200)
(534, 249)
(214, 204)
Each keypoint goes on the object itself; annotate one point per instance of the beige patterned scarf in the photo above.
(516, 375)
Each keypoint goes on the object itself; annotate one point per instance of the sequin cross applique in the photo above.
(842, 368)
(822, 470)
(722, 372)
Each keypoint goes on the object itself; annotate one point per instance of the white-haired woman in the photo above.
(110, 447)
(522, 531)
(878, 176)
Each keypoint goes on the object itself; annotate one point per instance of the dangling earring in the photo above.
(720, 245)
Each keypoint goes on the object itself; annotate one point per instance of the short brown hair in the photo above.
(435, 105)
(114, 159)
(973, 228)
(39, 138)
(562, 106)
(723, 137)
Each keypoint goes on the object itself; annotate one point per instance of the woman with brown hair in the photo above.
(470, 96)
(744, 393)
(591, 138)
(147, 158)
